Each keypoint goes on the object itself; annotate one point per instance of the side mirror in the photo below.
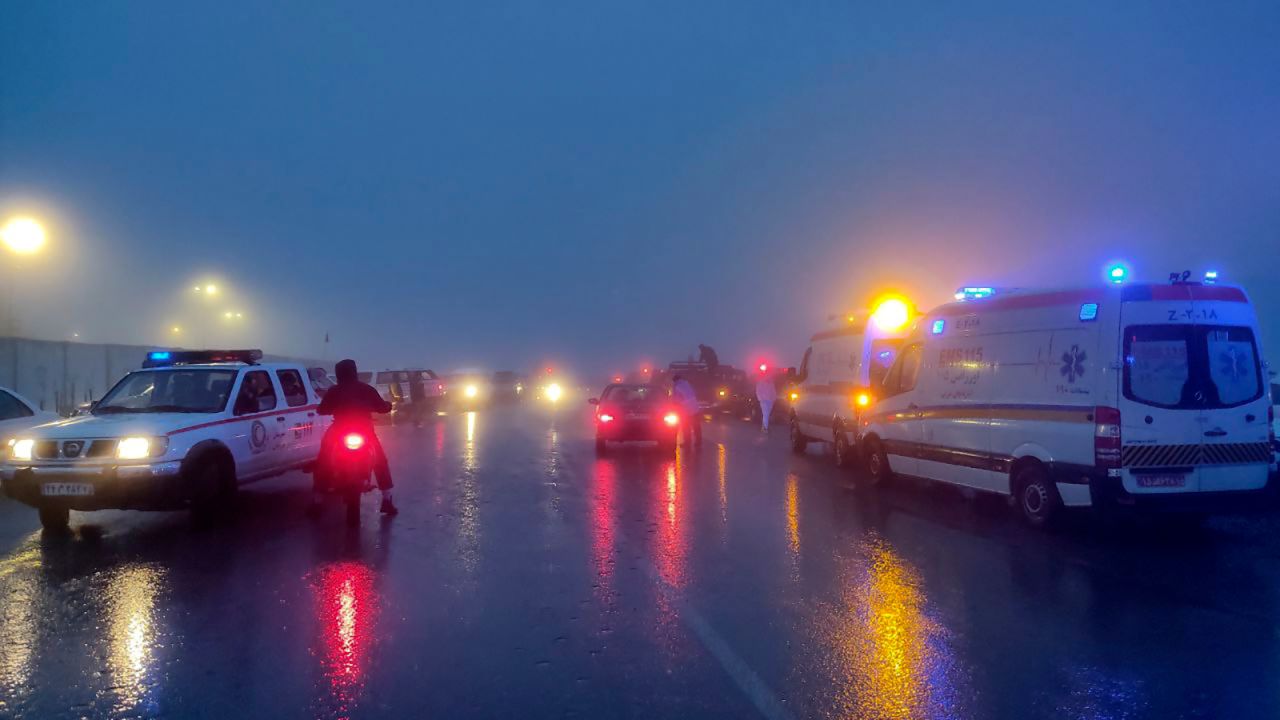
(593, 401)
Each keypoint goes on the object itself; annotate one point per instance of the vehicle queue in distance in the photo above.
(1139, 396)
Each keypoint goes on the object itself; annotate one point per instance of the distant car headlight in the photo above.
(554, 392)
(471, 391)
(21, 449)
(137, 448)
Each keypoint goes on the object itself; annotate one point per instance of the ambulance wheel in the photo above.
(798, 441)
(844, 454)
(1036, 495)
(55, 519)
(878, 470)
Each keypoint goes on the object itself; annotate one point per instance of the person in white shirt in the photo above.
(766, 394)
(682, 392)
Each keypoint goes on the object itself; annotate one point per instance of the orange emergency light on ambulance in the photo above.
(838, 374)
(1143, 395)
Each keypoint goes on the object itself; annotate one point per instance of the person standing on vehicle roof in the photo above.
(352, 404)
(707, 356)
(767, 395)
(684, 395)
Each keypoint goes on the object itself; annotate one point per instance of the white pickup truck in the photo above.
(183, 432)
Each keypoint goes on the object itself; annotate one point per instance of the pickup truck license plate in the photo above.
(63, 489)
(1165, 480)
(637, 416)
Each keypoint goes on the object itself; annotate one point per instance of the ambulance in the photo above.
(1150, 396)
(838, 374)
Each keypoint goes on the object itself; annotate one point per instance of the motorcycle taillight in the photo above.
(353, 441)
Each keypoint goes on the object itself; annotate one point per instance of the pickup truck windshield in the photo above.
(153, 391)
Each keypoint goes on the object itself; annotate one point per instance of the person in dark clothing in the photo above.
(352, 405)
(707, 356)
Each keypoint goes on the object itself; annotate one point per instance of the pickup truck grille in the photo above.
(73, 449)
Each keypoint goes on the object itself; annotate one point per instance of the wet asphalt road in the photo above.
(525, 578)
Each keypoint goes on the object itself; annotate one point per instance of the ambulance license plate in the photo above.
(65, 489)
(1163, 480)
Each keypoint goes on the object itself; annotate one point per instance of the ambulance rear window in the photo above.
(1191, 366)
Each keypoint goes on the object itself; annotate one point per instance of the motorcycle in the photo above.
(346, 467)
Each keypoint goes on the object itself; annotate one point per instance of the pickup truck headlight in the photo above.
(137, 448)
(21, 449)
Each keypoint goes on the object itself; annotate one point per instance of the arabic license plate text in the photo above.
(1167, 480)
(64, 489)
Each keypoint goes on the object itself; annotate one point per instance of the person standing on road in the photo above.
(766, 395)
(687, 399)
(352, 404)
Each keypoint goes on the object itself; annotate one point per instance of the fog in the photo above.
(600, 186)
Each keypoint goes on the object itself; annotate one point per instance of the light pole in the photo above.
(22, 236)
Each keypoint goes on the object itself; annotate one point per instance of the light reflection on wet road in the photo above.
(528, 578)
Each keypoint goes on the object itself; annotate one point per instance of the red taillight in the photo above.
(671, 418)
(606, 417)
(1106, 437)
(439, 388)
(353, 441)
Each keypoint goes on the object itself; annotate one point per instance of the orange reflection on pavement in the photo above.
(793, 514)
(897, 660)
(722, 477)
(131, 598)
(347, 606)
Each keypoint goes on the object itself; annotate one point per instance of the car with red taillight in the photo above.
(1144, 396)
(635, 413)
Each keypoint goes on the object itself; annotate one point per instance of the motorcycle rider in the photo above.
(352, 404)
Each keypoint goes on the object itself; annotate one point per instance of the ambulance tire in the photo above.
(798, 441)
(877, 466)
(843, 452)
(1036, 495)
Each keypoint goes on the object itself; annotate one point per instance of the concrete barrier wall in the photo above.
(58, 376)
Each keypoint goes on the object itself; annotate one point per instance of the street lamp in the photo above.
(23, 235)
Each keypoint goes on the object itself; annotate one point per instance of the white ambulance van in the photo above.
(838, 374)
(1152, 396)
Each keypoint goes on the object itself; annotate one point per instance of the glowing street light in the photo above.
(175, 330)
(23, 235)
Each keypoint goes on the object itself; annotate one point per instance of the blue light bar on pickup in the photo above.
(166, 358)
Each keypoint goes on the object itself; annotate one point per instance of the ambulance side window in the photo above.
(804, 366)
(910, 369)
(295, 392)
(257, 394)
(905, 372)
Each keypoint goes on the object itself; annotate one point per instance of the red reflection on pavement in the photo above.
(602, 528)
(347, 608)
(671, 558)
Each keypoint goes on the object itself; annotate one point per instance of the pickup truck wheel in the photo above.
(213, 488)
(55, 519)
(798, 441)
